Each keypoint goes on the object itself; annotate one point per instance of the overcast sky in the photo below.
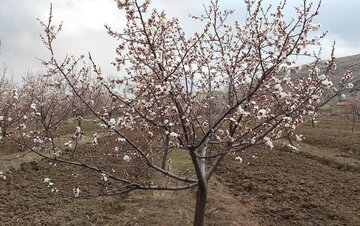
(83, 29)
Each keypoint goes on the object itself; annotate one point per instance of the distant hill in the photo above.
(350, 63)
(344, 64)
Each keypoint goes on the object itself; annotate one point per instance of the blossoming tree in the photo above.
(223, 89)
(15, 102)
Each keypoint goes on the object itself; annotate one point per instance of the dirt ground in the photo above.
(285, 188)
(320, 186)
(276, 187)
(25, 199)
(334, 133)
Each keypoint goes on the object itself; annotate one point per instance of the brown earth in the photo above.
(25, 199)
(10, 147)
(334, 133)
(268, 188)
(319, 185)
(285, 188)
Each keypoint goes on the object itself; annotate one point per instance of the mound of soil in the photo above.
(286, 188)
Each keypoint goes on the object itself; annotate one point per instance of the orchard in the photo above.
(209, 96)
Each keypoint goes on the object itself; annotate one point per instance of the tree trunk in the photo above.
(46, 132)
(166, 151)
(79, 122)
(3, 132)
(201, 196)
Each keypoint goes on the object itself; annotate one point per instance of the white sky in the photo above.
(83, 29)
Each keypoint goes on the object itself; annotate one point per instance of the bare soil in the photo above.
(334, 133)
(315, 186)
(319, 185)
(25, 199)
(9, 147)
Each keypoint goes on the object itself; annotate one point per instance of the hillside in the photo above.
(344, 64)
(350, 63)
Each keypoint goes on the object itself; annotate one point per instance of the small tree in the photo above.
(7, 94)
(15, 102)
(84, 82)
(52, 103)
(174, 82)
(354, 110)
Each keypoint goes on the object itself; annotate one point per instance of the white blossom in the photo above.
(68, 144)
(121, 139)
(327, 83)
(78, 130)
(38, 140)
(313, 26)
(283, 95)
(68, 93)
(315, 97)
(278, 87)
(126, 158)
(238, 158)
(33, 106)
(288, 119)
(104, 177)
(95, 138)
(48, 181)
(76, 192)
(262, 113)
(247, 79)
(253, 140)
(292, 147)
(116, 91)
(268, 142)
(350, 86)
(103, 126)
(299, 137)
(16, 95)
(122, 1)
(322, 77)
(112, 123)
(173, 134)
(2, 176)
(241, 111)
